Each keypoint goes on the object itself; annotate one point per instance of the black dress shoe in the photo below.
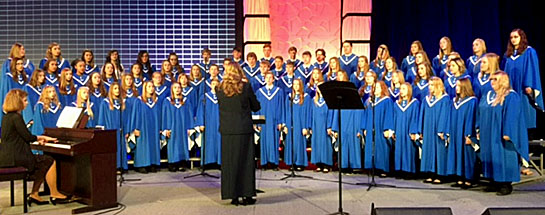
(31, 200)
(172, 168)
(505, 190)
(56, 201)
(235, 202)
(248, 201)
(142, 170)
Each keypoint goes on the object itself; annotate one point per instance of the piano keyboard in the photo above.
(54, 145)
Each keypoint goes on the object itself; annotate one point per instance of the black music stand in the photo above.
(340, 95)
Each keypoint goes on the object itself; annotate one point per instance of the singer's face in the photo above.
(214, 71)
(422, 70)
(176, 89)
(361, 62)
(454, 68)
(443, 44)
(128, 80)
(95, 79)
(68, 75)
(347, 48)
(269, 78)
(369, 78)
(88, 57)
(80, 67)
(53, 66)
(84, 95)
(109, 69)
(267, 51)
(378, 90)
(41, 78)
(115, 90)
(22, 51)
(173, 59)
(514, 38)
(484, 64)
(25, 102)
(296, 86)
(403, 90)
(167, 66)
(19, 65)
(56, 51)
(476, 46)
(414, 48)
(419, 58)
(136, 70)
(145, 58)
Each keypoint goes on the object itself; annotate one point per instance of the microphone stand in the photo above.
(292, 174)
(122, 140)
(203, 151)
(373, 142)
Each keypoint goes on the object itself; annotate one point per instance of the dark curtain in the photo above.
(398, 23)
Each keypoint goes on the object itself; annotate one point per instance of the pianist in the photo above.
(15, 149)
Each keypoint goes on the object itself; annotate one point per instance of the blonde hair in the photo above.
(460, 63)
(165, 72)
(63, 83)
(79, 102)
(145, 92)
(14, 101)
(15, 51)
(409, 92)
(49, 53)
(232, 81)
(493, 62)
(111, 96)
(482, 43)
(400, 77)
(47, 101)
(438, 86)
(504, 87)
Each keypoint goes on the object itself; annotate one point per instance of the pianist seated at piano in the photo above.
(15, 149)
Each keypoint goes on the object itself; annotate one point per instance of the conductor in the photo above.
(236, 103)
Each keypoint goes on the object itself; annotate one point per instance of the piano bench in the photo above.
(15, 173)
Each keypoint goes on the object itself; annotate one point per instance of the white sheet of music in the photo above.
(69, 117)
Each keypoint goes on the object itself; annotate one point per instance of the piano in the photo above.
(86, 165)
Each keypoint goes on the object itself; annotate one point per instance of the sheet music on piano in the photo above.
(69, 117)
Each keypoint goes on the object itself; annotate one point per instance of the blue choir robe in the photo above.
(208, 82)
(286, 82)
(272, 103)
(170, 78)
(271, 61)
(300, 115)
(96, 98)
(440, 66)
(148, 72)
(130, 98)
(481, 85)
(208, 116)
(304, 72)
(408, 66)
(176, 73)
(80, 81)
(394, 93)
(278, 74)
(366, 92)
(461, 157)
(473, 64)
(205, 68)
(90, 69)
(523, 71)
(146, 117)
(28, 65)
(435, 119)
(406, 123)
(296, 62)
(386, 77)
(311, 89)
(51, 79)
(198, 86)
(324, 67)
(258, 81)
(421, 90)
(67, 98)
(500, 158)
(377, 67)
(383, 109)
(332, 78)
(349, 63)
(162, 93)
(358, 80)
(191, 96)
(34, 94)
(116, 119)
(138, 83)
(251, 71)
(107, 83)
(45, 119)
(321, 120)
(6, 84)
(92, 121)
(178, 119)
(350, 143)
(450, 84)
(62, 63)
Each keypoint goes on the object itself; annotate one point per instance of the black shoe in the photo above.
(235, 202)
(172, 168)
(56, 201)
(152, 169)
(248, 201)
(142, 170)
(31, 200)
(505, 190)
(182, 169)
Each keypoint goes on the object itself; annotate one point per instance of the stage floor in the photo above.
(169, 193)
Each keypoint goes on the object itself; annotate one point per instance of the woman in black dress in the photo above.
(15, 149)
(236, 103)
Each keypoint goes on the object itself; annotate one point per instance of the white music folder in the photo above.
(69, 117)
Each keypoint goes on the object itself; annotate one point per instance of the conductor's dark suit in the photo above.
(237, 149)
